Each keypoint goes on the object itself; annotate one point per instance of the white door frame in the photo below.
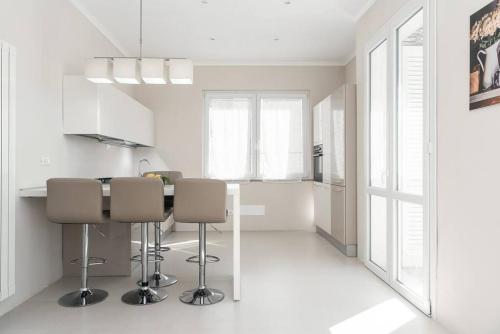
(388, 33)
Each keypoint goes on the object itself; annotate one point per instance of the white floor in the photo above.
(293, 282)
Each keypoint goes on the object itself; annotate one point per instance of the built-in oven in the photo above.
(318, 163)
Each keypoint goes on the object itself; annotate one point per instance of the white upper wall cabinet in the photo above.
(106, 113)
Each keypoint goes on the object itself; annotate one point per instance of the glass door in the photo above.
(397, 209)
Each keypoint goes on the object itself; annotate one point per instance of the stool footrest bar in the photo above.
(151, 258)
(162, 249)
(209, 259)
(93, 261)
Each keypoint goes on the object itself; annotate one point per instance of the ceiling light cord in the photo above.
(140, 29)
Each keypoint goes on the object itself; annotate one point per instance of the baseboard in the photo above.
(347, 250)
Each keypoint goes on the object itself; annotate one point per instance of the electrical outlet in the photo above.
(44, 161)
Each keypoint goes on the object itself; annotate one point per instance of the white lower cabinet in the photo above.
(323, 206)
(335, 216)
(338, 214)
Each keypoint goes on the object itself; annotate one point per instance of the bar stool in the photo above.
(159, 280)
(139, 200)
(78, 201)
(200, 201)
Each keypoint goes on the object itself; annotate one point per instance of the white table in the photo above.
(233, 192)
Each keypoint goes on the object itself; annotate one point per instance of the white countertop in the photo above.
(232, 189)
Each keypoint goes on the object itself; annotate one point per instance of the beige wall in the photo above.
(179, 128)
(468, 269)
(350, 72)
(52, 39)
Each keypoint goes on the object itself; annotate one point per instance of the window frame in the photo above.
(256, 96)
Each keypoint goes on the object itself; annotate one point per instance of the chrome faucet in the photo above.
(140, 162)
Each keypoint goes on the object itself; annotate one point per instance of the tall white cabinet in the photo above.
(335, 198)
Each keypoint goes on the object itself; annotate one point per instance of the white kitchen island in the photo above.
(233, 193)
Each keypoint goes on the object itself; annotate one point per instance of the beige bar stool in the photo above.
(159, 280)
(78, 201)
(200, 201)
(139, 200)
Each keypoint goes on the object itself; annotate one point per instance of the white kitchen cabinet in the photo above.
(316, 124)
(326, 134)
(322, 206)
(338, 214)
(338, 140)
(104, 112)
(338, 137)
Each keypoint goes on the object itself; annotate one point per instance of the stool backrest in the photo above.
(173, 175)
(200, 201)
(74, 201)
(137, 200)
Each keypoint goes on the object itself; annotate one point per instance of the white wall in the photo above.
(52, 39)
(468, 287)
(467, 196)
(179, 128)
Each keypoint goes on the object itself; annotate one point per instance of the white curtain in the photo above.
(281, 149)
(229, 138)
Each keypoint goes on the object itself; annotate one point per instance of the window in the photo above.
(378, 116)
(258, 136)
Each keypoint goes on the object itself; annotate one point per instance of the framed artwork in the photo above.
(484, 56)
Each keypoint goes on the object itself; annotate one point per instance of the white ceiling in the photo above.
(244, 31)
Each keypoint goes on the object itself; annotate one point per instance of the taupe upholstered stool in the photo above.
(139, 200)
(200, 201)
(78, 201)
(158, 279)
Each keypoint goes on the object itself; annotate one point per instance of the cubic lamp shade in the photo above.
(153, 71)
(181, 71)
(126, 70)
(99, 70)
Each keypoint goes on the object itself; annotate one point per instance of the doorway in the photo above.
(398, 155)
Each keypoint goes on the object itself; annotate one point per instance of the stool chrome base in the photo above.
(204, 296)
(161, 280)
(144, 296)
(83, 298)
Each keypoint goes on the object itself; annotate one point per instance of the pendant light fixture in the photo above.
(153, 71)
(126, 70)
(130, 70)
(99, 70)
(181, 71)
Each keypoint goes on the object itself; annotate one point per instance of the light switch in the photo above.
(44, 161)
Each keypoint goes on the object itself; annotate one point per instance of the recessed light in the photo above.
(287, 2)
(204, 2)
(212, 38)
(276, 39)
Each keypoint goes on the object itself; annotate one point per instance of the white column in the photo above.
(236, 246)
